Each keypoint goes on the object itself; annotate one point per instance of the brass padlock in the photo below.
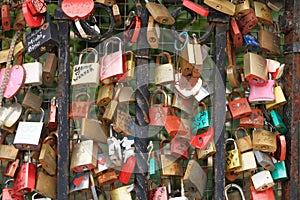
(275, 5)
(269, 42)
(46, 185)
(105, 95)
(105, 2)
(94, 130)
(242, 8)
(264, 140)
(169, 164)
(4, 52)
(49, 69)
(33, 101)
(111, 107)
(163, 73)
(7, 152)
(263, 13)
(160, 13)
(129, 66)
(185, 105)
(244, 143)
(207, 152)
(47, 155)
(280, 99)
(19, 48)
(152, 36)
(233, 157)
(122, 193)
(126, 95)
(223, 6)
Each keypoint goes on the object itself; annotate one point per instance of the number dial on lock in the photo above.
(75, 9)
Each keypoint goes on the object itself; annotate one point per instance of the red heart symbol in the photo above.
(77, 181)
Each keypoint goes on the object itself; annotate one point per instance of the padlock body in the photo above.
(247, 22)
(263, 13)
(248, 162)
(262, 94)
(32, 101)
(163, 74)
(278, 122)
(200, 122)
(264, 160)
(279, 98)
(127, 169)
(34, 73)
(25, 179)
(107, 177)
(47, 158)
(264, 140)
(86, 75)
(239, 108)
(280, 173)
(262, 180)
(160, 13)
(158, 115)
(49, 69)
(269, 42)
(254, 120)
(262, 195)
(120, 193)
(255, 68)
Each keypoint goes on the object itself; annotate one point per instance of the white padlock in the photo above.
(262, 180)
(34, 73)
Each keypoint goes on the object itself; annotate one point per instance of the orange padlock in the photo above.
(238, 107)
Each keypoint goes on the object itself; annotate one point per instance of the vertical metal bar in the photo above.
(63, 106)
(219, 110)
(291, 84)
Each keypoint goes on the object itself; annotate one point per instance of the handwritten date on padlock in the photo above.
(77, 8)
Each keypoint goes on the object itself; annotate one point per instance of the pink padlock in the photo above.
(262, 94)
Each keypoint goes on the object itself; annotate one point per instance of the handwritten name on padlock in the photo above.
(82, 70)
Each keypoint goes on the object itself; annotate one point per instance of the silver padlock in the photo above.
(202, 93)
(262, 180)
(233, 185)
(34, 73)
(43, 198)
(114, 149)
(264, 160)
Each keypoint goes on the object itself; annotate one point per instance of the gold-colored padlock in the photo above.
(269, 42)
(111, 107)
(223, 6)
(4, 52)
(129, 66)
(255, 68)
(233, 157)
(122, 193)
(105, 2)
(160, 13)
(47, 155)
(33, 101)
(263, 13)
(264, 140)
(207, 152)
(242, 8)
(152, 36)
(244, 143)
(170, 165)
(280, 99)
(19, 48)
(105, 95)
(49, 69)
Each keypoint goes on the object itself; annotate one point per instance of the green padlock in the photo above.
(280, 174)
(201, 120)
(278, 122)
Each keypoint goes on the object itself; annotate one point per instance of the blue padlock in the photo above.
(280, 174)
(201, 120)
(278, 122)
(251, 43)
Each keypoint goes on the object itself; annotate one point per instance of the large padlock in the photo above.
(80, 109)
(264, 140)
(48, 154)
(34, 73)
(92, 129)
(223, 6)
(111, 65)
(280, 173)
(129, 67)
(201, 120)
(194, 179)
(254, 120)
(84, 156)
(262, 94)
(247, 22)
(122, 193)
(5, 16)
(207, 152)
(25, 180)
(46, 185)
(49, 69)
(86, 74)
(163, 73)
(262, 195)
(4, 52)
(105, 95)
(262, 180)
(174, 126)
(263, 13)
(279, 99)
(238, 107)
(233, 157)
(242, 8)
(278, 122)
(248, 162)
(9, 193)
(233, 185)
(244, 143)
(33, 101)
(180, 148)
(28, 133)
(31, 20)
(280, 152)
(255, 68)
(7, 152)
(264, 159)
(269, 42)
(170, 165)
(160, 13)
(158, 112)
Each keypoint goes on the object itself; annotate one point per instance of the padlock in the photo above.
(84, 156)
(242, 8)
(187, 87)
(163, 73)
(19, 23)
(198, 57)
(264, 140)
(202, 93)
(278, 122)
(160, 13)
(111, 65)
(236, 33)
(201, 141)
(233, 185)
(262, 195)
(5, 16)
(275, 5)
(279, 99)
(158, 112)
(105, 95)
(28, 133)
(129, 66)
(37, 196)
(201, 120)
(86, 74)
(34, 73)
(152, 34)
(264, 159)
(53, 115)
(251, 43)
(105, 2)
(46, 185)
(93, 129)
(185, 105)
(244, 143)
(254, 120)
(80, 109)
(4, 52)
(42, 40)
(195, 7)
(263, 13)
(116, 13)
(33, 101)
(103, 162)
(170, 165)
(187, 58)
(122, 193)
(126, 95)
(11, 168)
(248, 162)
(19, 48)
(80, 182)
(247, 22)
(114, 148)
(262, 180)
(7, 151)
(262, 94)
(238, 107)
(174, 125)
(280, 153)
(194, 179)
(255, 68)
(269, 42)
(25, 180)
(31, 21)
(49, 69)
(158, 193)
(123, 123)
(154, 166)
(9, 193)
(233, 157)
(207, 152)
(112, 107)
(280, 174)
(180, 148)
(223, 6)
(127, 170)
(48, 154)
(37, 7)
(107, 177)
(133, 27)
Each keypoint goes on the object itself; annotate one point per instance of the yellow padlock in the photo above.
(233, 157)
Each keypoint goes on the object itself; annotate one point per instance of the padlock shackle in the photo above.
(39, 89)
(88, 50)
(82, 94)
(131, 54)
(161, 144)
(234, 92)
(231, 140)
(240, 129)
(159, 91)
(5, 39)
(163, 54)
(8, 181)
(233, 185)
(27, 111)
(110, 40)
(51, 136)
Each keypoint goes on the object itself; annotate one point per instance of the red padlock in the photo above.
(11, 168)
(133, 28)
(31, 20)
(254, 120)
(80, 109)
(238, 107)
(247, 22)
(5, 17)
(127, 170)
(9, 193)
(202, 140)
(158, 112)
(180, 148)
(280, 152)
(174, 126)
(36, 7)
(262, 195)
(236, 33)
(52, 119)
(195, 7)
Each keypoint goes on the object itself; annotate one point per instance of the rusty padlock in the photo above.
(238, 107)
(33, 101)
(244, 143)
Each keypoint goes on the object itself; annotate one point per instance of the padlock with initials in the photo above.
(8, 193)
(280, 99)
(247, 22)
(238, 107)
(280, 174)
(262, 180)
(263, 13)
(255, 68)
(158, 112)
(48, 154)
(239, 189)
(86, 74)
(80, 109)
(25, 180)
(160, 13)
(34, 73)
(262, 195)
(244, 143)
(33, 101)
(254, 120)
(264, 140)
(49, 69)
(129, 67)
(269, 42)
(233, 157)
(84, 156)
(170, 165)
(201, 120)
(280, 152)
(278, 122)
(158, 193)
(163, 73)
(262, 94)
(7, 152)
(248, 162)
(28, 133)
(264, 159)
